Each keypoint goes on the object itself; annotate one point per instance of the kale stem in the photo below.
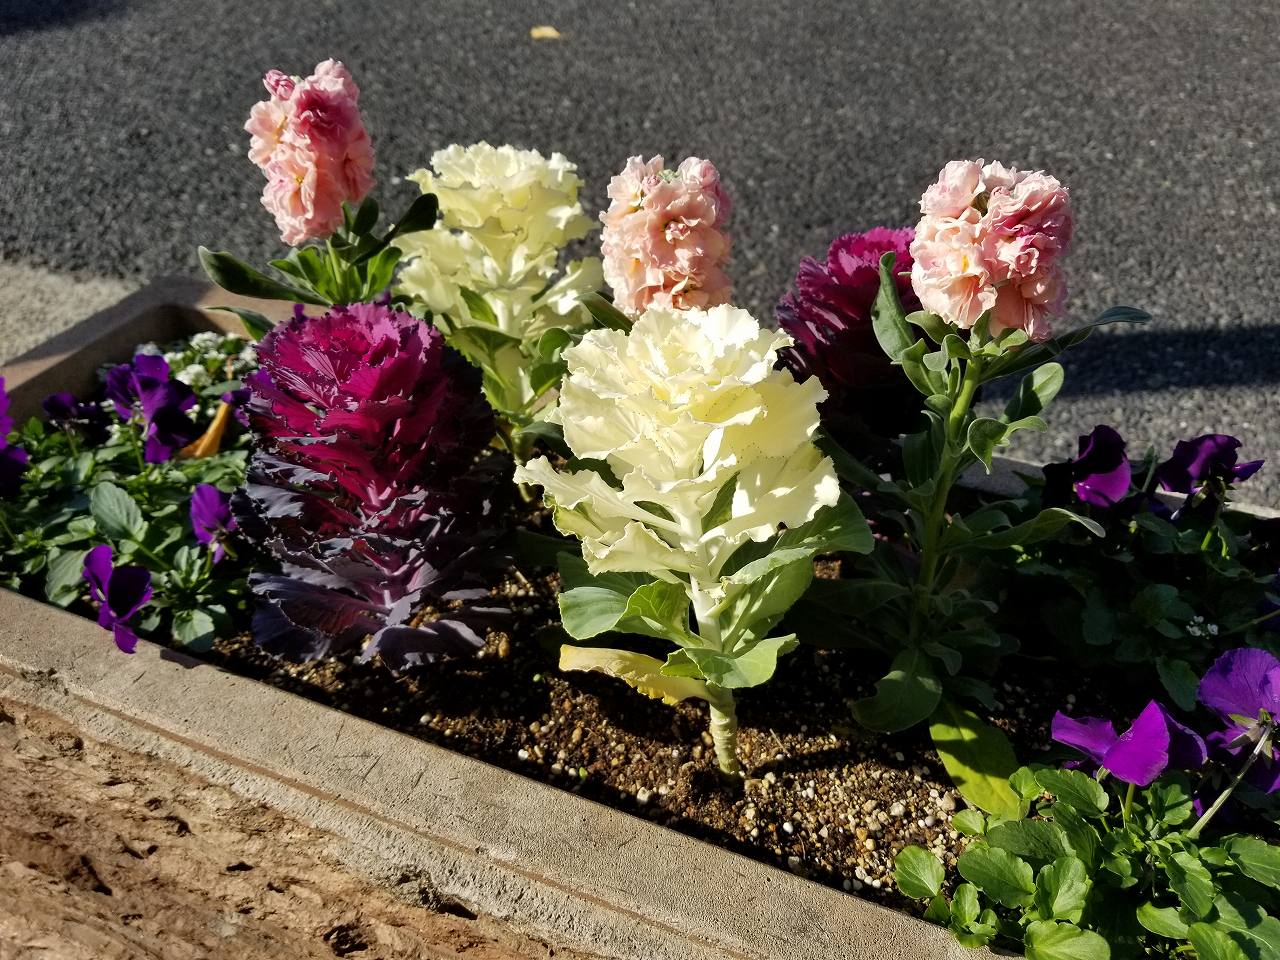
(724, 733)
(1264, 742)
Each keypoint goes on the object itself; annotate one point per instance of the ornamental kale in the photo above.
(695, 485)
(1086, 870)
(364, 485)
(829, 317)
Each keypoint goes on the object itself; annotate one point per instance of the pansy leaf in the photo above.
(116, 513)
(1162, 921)
(970, 822)
(1257, 859)
(1253, 926)
(978, 757)
(1039, 840)
(906, 695)
(918, 873)
(1179, 680)
(1191, 881)
(965, 907)
(193, 629)
(641, 672)
(1214, 944)
(938, 911)
(1062, 887)
(1050, 940)
(64, 577)
(1074, 790)
(999, 874)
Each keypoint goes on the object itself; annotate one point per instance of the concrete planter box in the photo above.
(583, 874)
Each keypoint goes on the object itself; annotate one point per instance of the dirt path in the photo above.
(105, 855)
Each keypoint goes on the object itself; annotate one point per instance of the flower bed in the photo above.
(459, 481)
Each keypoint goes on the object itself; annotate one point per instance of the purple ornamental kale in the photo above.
(1204, 459)
(829, 317)
(211, 518)
(1153, 743)
(1243, 689)
(86, 419)
(143, 385)
(13, 460)
(1100, 474)
(120, 593)
(364, 484)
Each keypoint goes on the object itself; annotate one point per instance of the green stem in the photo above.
(724, 733)
(4, 526)
(339, 277)
(1252, 623)
(1264, 743)
(934, 519)
(136, 442)
(1128, 805)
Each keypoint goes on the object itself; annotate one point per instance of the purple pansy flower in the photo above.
(829, 317)
(13, 460)
(1210, 457)
(237, 400)
(1100, 474)
(1243, 689)
(211, 517)
(1153, 743)
(144, 384)
(85, 419)
(120, 592)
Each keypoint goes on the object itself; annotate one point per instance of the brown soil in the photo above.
(823, 797)
(105, 855)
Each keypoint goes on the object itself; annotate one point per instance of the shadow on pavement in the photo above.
(19, 15)
(1152, 360)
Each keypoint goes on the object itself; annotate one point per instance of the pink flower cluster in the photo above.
(664, 242)
(990, 239)
(311, 144)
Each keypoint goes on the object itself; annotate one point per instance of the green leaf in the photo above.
(235, 276)
(888, 319)
(365, 217)
(721, 510)
(1259, 931)
(624, 602)
(918, 873)
(747, 668)
(1257, 859)
(64, 577)
(256, 325)
(985, 434)
(1162, 921)
(641, 672)
(970, 822)
(1080, 834)
(938, 911)
(480, 310)
(965, 908)
(933, 325)
(978, 757)
(605, 313)
(1031, 839)
(1047, 940)
(999, 874)
(1213, 944)
(116, 513)
(1062, 887)
(1181, 682)
(193, 629)
(906, 695)
(421, 215)
(1190, 880)
(1035, 392)
(1045, 525)
(657, 609)
(1075, 791)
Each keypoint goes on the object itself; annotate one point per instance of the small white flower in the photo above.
(194, 376)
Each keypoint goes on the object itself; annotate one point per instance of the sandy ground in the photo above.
(105, 855)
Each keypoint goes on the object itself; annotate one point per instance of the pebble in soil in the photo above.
(821, 797)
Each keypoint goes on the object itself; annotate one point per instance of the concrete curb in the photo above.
(508, 847)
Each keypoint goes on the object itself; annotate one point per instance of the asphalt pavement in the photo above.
(120, 133)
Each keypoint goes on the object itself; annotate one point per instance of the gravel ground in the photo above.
(121, 126)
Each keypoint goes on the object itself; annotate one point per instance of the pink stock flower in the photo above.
(663, 241)
(310, 142)
(990, 240)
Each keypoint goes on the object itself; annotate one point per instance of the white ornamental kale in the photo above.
(490, 271)
(696, 486)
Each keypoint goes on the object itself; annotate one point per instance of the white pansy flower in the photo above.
(683, 404)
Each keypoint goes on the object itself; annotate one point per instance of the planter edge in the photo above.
(510, 847)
